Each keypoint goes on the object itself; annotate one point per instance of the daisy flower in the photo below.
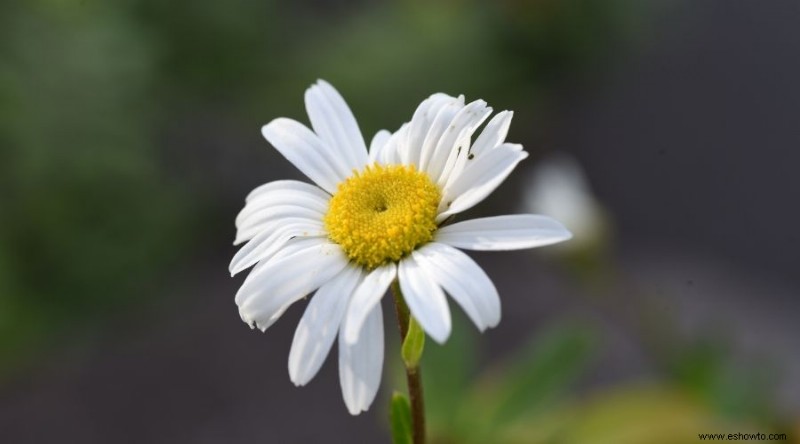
(373, 216)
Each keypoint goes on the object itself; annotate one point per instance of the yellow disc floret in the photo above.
(383, 213)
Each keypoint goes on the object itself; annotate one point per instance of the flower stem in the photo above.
(413, 376)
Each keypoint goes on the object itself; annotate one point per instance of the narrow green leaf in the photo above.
(414, 344)
(400, 418)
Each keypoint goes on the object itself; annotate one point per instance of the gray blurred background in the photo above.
(129, 137)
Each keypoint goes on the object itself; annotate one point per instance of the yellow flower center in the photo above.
(383, 213)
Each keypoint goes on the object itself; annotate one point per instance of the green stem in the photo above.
(413, 376)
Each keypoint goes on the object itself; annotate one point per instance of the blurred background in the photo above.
(663, 133)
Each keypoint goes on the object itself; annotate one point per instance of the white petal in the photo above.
(361, 363)
(270, 240)
(317, 329)
(286, 280)
(455, 164)
(479, 179)
(426, 112)
(377, 144)
(464, 280)
(269, 218)
(291, 247)
(334, 123)
(459, 155)
(287, 185)
(390, 153)
(269, 199)
(437, 124)
(275, 212)
(307, 152)
(460, 129)
(268, 323)
(277, 200)
(492, 135)
(366, 296)
(511, 232)
(425, 299)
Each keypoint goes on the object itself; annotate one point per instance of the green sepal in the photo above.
(413, 344)
(400, 418)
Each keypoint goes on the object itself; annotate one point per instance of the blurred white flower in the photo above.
(558, 188)
(372, 217)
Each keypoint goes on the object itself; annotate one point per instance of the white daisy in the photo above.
(373, 217)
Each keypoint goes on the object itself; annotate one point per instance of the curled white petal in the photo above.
(390, 153)
(460, 130)
(493, 135)
(268, 219)
(290, 248)
(269, 199)
(377, 145)
(286, 280)
(479, 179)
(269, 241)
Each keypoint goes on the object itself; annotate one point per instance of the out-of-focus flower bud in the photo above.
(558, 188)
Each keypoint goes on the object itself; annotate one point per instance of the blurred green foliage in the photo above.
(533, 381)
(94, 211)
(708, 370)
(87, 216)
(530, 398)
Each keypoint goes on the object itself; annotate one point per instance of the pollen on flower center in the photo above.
(383, 213)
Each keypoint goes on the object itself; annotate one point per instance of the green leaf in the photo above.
(552, 364)
(414, 344)
(705, 368)
(400, 418)
(535, 379)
